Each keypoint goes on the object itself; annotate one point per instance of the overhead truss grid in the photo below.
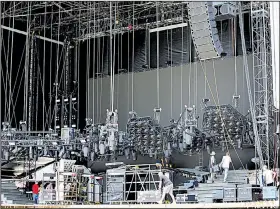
(82, 20)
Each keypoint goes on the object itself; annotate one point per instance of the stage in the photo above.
(262, 204)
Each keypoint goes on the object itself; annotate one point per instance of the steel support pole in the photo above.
(0, 104)
(25, 33)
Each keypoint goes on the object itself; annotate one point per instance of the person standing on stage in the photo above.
(35, 192)
(212, 164)
(225, 165)
(167, 187)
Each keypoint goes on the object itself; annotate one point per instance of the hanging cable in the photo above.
(128, 68)
(114, 55)
(132, 69)
(44, 70)
(118, 70)
(182, 59)
(235, 48)
(157, 19)
(195, 84)
(111, 60)
(37, 90)
(50, 80)
(93, 66)
(101, 82)
(88, 57)
(15, 88)
(78, 70)
(226, 133)
(217, 102)
(57, 70)
(205, 82)
(11, 68)
(171, 75)
(190, 70)
(26, 65)
(119, 56)
(61, 59)
(97, 71)
(7, 75)
(1, 68)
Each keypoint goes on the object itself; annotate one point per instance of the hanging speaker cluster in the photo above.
(204, 30)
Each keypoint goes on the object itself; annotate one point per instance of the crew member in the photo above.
(225, 165)
(167, 187)
(268, 176)
(35, 192)
(212, 164)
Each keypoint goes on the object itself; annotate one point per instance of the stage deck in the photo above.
(263, 204)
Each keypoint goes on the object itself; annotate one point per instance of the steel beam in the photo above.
(169, 27)
(25, 33)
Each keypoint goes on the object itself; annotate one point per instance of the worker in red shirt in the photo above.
(35, 192)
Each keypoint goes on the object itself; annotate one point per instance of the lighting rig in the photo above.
(227, 126)
(21, 143)
(101, 141)
(29, 145)
(146, 136)
(184, 134)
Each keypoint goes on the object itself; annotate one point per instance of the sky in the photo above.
(274, 12)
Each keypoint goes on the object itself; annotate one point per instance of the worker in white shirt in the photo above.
(167, 187)
(225, 165)
(212, 164)
(268, 176)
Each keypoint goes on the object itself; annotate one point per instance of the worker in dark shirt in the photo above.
(35, 192)
(167, 187)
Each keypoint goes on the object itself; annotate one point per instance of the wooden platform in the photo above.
(263, 204)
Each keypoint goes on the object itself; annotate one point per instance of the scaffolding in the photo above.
(47, 193)
(76, 185)
(132, 183)
(262, 72)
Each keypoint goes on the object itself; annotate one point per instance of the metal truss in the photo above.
(263, 83)
(83, 20)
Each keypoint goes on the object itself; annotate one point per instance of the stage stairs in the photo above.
(206, 192)
(11, 195)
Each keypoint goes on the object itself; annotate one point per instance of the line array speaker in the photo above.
(204, 30)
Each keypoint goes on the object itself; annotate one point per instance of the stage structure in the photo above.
(263, 84)
(131, 183)
(67, 25)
